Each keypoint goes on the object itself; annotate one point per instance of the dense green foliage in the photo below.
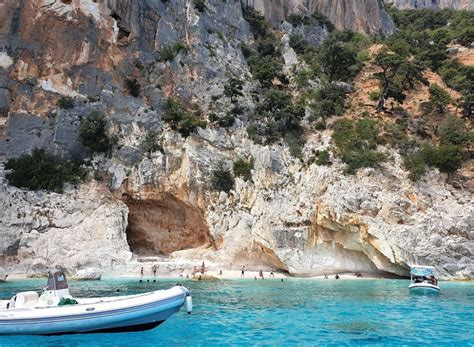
(92, 132)
(222, 179)
(181, 120)
(243, 168)
(66, 103)
(447, 158)
(328, 101)
(439, 98)
(133, 87)
(41, 170)
(397, 75)
(337, 60)
(426, 34)
(233, 88)
(323, 158)
(276, 116)
(257, 22)
(453, 131)
(357, 142)
(264, 57)
(200, 5)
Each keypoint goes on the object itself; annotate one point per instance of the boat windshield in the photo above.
(421, 271)
(57, 281)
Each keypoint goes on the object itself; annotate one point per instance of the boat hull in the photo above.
(423, 288)
(133, 313)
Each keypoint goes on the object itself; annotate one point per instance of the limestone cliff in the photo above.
(366, 16)
(301, 217)
(467, 5)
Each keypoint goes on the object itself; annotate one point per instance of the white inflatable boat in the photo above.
(423, 280)
(55, 312)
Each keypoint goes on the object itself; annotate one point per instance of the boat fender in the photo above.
(189, 303)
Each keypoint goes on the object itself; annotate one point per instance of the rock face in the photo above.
(80, 229)
(293, 214)
(365, 16)
(467, 5)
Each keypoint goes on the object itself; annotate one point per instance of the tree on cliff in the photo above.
(233, 89)
(222, 179)
(439, 98)
(397, 75)
(41, 170)
(92, 132)
(337, 60)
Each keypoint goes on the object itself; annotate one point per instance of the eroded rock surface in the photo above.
(295, 215)
(467, 5)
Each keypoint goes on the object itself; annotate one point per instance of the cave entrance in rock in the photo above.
(158, 227)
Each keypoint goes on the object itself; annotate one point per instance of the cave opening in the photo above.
(158, 227)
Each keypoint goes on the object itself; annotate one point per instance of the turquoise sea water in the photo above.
(293, 312)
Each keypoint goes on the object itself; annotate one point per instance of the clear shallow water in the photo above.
(293, 312)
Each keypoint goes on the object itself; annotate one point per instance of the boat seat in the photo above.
(26, 299)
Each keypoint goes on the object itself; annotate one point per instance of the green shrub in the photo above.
(298, 43)
(169, 52)
(449, 158)
(374, 95)
(92, 132)
(66, 103)
(133, 87)
(93, 98)
(323, 20)
(439, 98)
(416, 166)
(258, 25)
(254, 134)
(150, 143)
(278, 116)
(453, 131)
(222, 179)
(295, 144)
(357, 142)
(320, 125)
(243, 169)
(200, 5)
(297, 20)
(328, 101)
(360, 158)
(43, 171)
(266, 69)
(323, 158)
(233, 88)
(179, 119)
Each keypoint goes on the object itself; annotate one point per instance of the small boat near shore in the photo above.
(422, 279)
(55, 312)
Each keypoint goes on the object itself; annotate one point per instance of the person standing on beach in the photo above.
(242, 274)
(260, 273)
(141, 272)
(203, 268)
(272, 274)
(154, 268)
